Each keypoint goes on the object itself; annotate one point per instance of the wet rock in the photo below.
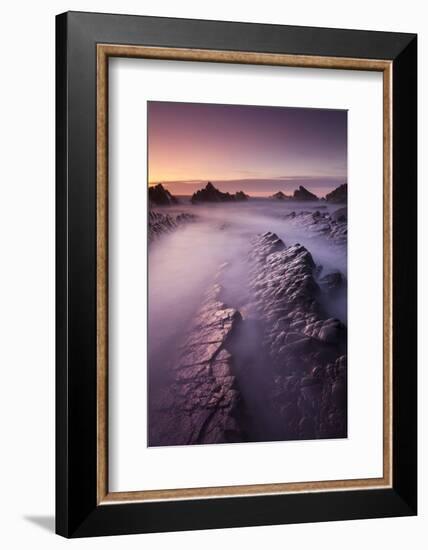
(340, 215)
(160, 196)
(204, 402)
(339, 392)
(340, 194)
(307, 428)
(321, 224)
(161, 223)
(211, 194)
(331, 333)
(305, 349)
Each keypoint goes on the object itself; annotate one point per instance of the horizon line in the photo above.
(250, 179)
(299, 182)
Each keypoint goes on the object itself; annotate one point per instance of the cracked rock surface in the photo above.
(271, 366)
(160, 223)
(304, 348)
(322, 224)
(202, 403)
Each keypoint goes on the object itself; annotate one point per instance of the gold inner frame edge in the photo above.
(104, 51)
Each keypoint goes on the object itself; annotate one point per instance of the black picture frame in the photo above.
(77, 511)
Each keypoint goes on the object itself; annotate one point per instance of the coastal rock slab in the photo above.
(322, 224)
(202, 403)
(305, 349)
(160, 223)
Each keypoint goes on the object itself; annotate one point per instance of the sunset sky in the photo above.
(260, 150)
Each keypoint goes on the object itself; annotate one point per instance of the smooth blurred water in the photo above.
(183, 264)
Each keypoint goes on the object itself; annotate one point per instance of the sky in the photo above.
(260, 150)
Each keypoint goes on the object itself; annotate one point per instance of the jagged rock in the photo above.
(305, 348)
(280, 196)
(321, 224)
(211, 194)
(295, 361)
(332, 332)
(241, 196)
(302, 194)
(340, 194)
(160, 196)
(160, 223)
(202, 404)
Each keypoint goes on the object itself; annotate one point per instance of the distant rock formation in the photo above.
(302, 194)
(340, 194)
(160, 196)
(160, 223)
(211, 194)
(241, 196)
(280, 196)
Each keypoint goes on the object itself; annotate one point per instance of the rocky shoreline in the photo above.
(160, 196)
(160, 223)
(305, 348)
(202, 403)
(332, 226)
(300, 349)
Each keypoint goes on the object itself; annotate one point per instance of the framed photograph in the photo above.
(236, 274)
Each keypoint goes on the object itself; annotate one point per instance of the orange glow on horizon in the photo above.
(259, 150)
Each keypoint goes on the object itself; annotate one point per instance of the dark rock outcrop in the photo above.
(160, 223)
(280, 196)
(322, 224)
(339, 195)
(211, 194)
(302, 194)
(160, 196)
(241, 196)
(340, 215)
(213, 395)
(201, 404)
(305, 349)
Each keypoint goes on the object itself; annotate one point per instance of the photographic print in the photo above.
(247, 273)
(204, 284)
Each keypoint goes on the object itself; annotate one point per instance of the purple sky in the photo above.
(257, 149)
